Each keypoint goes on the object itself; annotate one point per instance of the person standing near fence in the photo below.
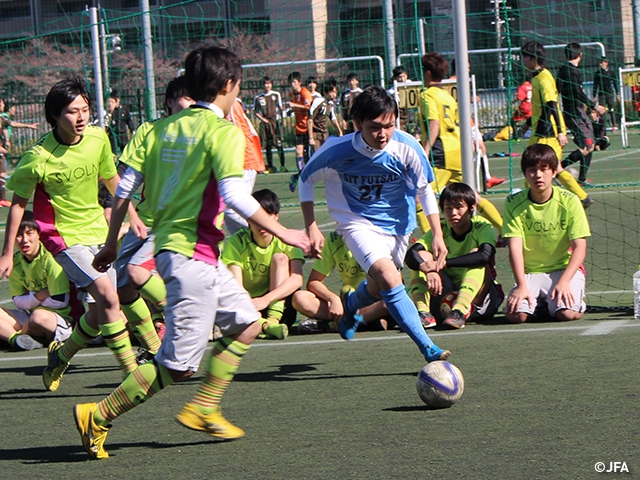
(605, 90)
(120, 123)
(267, 107)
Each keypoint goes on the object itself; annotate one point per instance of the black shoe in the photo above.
(455, 319)
(311, 325)
(144, 356)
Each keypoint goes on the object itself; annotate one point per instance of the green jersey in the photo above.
(255, 261)
(65, 181)
(128, 154)
(335, 254)
(546, 229)
(481, 232)
(182, 158)
(42, 272)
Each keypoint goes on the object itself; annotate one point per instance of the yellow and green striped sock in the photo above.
(419, 292)
(141, 385)
(117, 338)
(276, 310)
(81, 336)
(12, 338)
(141, 324)
(222, 366)
(155, 291)
(469, 288)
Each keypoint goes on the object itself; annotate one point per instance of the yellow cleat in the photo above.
(55, 368)
(92, 434)
(214, 423)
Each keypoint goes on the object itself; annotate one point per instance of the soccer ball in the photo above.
(447, 304)
(440, 384)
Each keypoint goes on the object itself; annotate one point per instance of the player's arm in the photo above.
(236, 271)
(521, 291)
(32, 126)
(18, 205)
(552, 111)
(137, 225)
(418, 258)
(427, 199)
(434, 131)
(562, 290)
(316, 285)
(292, 283)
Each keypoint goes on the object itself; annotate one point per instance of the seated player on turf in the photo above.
(188, 162)
(135, 264)
(268, 269)
(547, 231)
(61, 172)
(372, 178)
(471, 242)
(324, 307)
(40, 292)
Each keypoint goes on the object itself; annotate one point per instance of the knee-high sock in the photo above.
(117, 338)
(419, 291)
(139, 386)
(574, 157)
(81, 336)
(276, 310)
(491, 213)
(139, 318)
(570, 183)
(359, 298)
(404, 312)
(469, 288)
(224, 362)
(584, 167)
(155, 291)
(421, 218)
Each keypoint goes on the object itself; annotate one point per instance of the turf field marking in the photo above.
(604, 328)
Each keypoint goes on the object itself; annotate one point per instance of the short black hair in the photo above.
(458, 193)
(176, 88)
(535, 50)
(266, 79)
(312, 79)
(399, 70)
(268, 200)
(114, 94)
(572, 50)
(294, 76)
(371, 103)
(327, 87)
(62, 94)
(539, 154)
(351, 76)
(28, 221)
(208, 69)
(436, 64)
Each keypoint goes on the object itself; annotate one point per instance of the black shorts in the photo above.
(302, 139)
(580, 125)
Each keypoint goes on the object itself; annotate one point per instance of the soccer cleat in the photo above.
(26, 342)
(293, 182)
(311, 326)
(92, 434)
(427, 320)
(213, 423)
(349, 322)
(144, 356)
(435, 353)
(55, 368)
(587, 202)
(494, 181)
(455, 319)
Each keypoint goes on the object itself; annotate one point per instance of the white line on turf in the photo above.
(604, 328)
(372, 337)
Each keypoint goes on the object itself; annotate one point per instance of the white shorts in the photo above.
(76, 262)
(369, 246)
(63, 329)
(198, 294)
(541, 285)
(232, 220)
(134, 251)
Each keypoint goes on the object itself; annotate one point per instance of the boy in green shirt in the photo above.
(471, 242)
(547, 231)
(40, 292)
(268, 269)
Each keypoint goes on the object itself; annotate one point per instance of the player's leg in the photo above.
(278, 143)
(489, 211)
(565, 312)
(473, 284)
(267, 134)
(278, 273)
(421, 297)
(11, 322)
(3, 181)
(537, 284)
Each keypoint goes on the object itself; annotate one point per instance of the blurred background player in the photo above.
(547, 122)
(605, 91)
(322, 307)
(575, 104)
(547, 231)
(347, 97)
(120, 123)
(521, 118)
(312, 86)
(322, 112)
(267, 107)
(440, 135)
(268, 269)
(300, 101)
(471, 242)
(40, 292)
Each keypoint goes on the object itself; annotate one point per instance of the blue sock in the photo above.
(405, 313)
(360, 298)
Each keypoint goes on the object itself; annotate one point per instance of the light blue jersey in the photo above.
(376, 188)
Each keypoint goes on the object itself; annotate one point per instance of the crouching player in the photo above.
(547, 231)
(372, 178)
(40, 291)
(471, 242)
